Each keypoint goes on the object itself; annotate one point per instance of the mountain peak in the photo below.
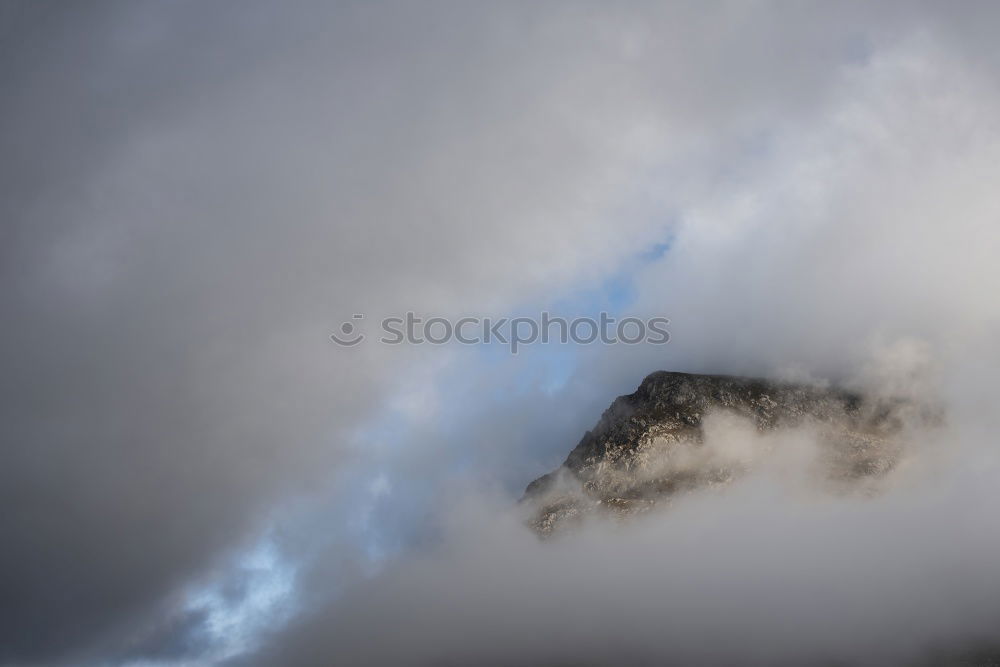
(681, 432)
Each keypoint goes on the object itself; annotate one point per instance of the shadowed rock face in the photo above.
(650, 445)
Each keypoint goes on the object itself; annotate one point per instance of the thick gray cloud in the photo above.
(197, 197)
(194, 196)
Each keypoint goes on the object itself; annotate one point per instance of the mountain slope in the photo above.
(680, 432)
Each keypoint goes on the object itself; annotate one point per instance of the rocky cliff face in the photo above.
(680, 432)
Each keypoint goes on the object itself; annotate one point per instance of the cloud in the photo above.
(766, 571)
(194, 197)
(845, 246)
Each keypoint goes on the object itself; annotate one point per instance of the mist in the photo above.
(195, 197)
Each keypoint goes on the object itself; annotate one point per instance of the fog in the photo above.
(785, 565)
(195, 196)
(765, 572)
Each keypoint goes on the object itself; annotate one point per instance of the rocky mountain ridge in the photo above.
(650, 446)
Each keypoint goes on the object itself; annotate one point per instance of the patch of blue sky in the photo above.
(256, 593)
(554, 362)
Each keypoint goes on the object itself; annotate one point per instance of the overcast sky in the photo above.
(193, 196)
